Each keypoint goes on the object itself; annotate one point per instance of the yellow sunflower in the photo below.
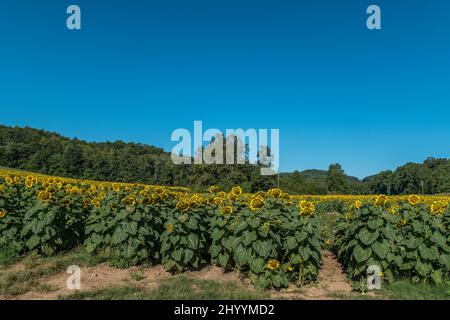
(273, 264)
(413, 200)
(380, 200)
(306, 208)
(236, 190)
(256, 203)
(226, 210)
(182, 206)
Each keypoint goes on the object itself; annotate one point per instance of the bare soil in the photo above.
(332, 280)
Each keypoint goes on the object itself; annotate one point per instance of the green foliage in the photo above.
(184, 243)
(248, 240)
(125, 228)
(410, 242)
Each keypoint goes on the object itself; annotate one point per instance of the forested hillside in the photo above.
(50, 153)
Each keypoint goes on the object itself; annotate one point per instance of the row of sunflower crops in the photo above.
(272, 237)
(407, 239)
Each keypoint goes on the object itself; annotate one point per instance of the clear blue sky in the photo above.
(370, 100)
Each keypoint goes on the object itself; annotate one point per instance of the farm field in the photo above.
(135, 241)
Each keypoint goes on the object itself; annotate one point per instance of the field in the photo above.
(156, 242)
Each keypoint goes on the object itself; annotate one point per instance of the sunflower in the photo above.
(256, 203)
(380, 200)
(276, 193)
(273, 264)
(44, 195)
(232, 196)
(9, 181)
(226, 210)
(116, 187)
(28, 184)
(236, 190)
(213, 189)
(170, 228)
(182, 206)
(2, 214)
(96, 203)
(16, 179)
(413, 200)
(437, 207)
(357, 204)
(222, 194)
(306, 208)
(218, 201)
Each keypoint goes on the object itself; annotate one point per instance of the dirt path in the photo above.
(332, 280)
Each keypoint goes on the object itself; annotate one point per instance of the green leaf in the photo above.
(379, 249)
(223, 259)
(257, 265)
(367, 237)
(176, 255)
(261, 248)
(291, 243)
(188, 254)
(436, 276)
(300, 236)
(422, 269)
(360, 254)
(241, 226)
(217, 234)
(375, 224)
(214, 250)
(254, 223)
(192, 241)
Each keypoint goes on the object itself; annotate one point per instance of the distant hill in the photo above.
(314, 174)
(51, 153)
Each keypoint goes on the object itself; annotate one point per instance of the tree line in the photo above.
(50, 153)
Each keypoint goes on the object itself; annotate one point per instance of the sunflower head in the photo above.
(226, 210)
(380, 200)
(9, 181)
(170, 228)
(437, 207)
(213, 189)
(183, 206)
(273, 264)
(413, 200)
(28, 184)
(256, 203)
(357, 204)
(276, 193)
(232, 196)
(96, 203)
(236, 190)
(2, 214)
(306, 208)
(44, 195)
(218, 201)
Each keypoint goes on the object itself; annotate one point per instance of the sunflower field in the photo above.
(270, 236)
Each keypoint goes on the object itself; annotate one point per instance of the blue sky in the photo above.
(338, 92)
